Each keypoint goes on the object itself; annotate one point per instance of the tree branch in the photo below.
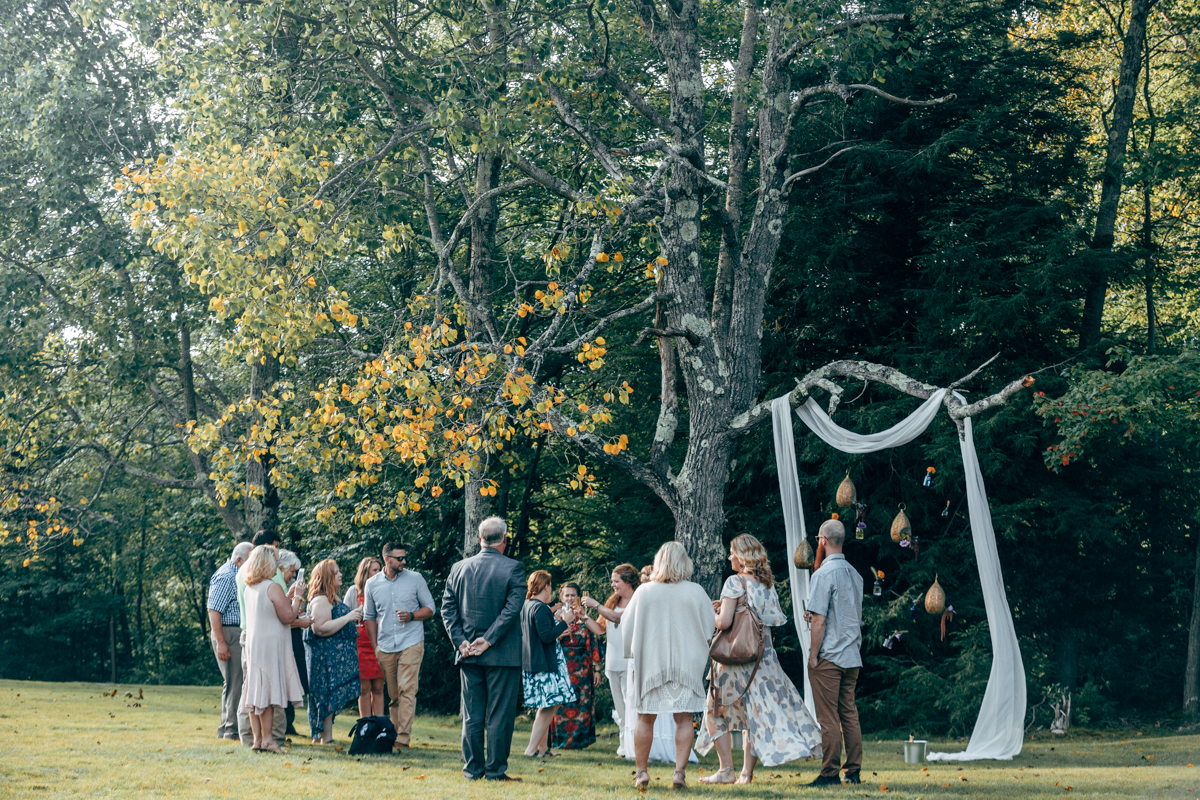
(801, 45)
(878, 373)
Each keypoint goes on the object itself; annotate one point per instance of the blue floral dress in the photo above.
(332, 670)
(547, 689)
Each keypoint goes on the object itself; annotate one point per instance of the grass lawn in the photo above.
(68, 740)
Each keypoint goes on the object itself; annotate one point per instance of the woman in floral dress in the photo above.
(574, 726)
(776, 725)
(331, 647)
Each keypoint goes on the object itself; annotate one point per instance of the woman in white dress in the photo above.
(625, 580)
(666, 627)
(776, 725)
(271, 681)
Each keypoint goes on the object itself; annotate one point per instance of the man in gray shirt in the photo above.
(835, 610)
(396, 604)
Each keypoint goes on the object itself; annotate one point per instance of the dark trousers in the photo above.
(833, 695)
(489, 702)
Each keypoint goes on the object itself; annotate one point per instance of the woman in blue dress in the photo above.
(331, 651)
(544, 675)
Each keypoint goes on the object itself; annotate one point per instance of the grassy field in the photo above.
(69, 740)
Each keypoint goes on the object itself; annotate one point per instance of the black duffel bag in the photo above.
(373, 735)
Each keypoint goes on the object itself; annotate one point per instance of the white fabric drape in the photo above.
(793, 524)
(999, 729)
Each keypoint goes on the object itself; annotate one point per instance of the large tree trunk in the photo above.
(262, 498)
(1114, 169)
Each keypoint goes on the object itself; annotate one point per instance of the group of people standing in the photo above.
(511, 641)
(272, 650)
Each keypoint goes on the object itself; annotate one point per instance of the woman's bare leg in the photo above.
(685, 737)
(643, 739)
(364, 698)
(541, 731)
(724, 745)
(377, 696)
(256, 731)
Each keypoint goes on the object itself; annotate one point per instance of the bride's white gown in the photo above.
(663, 748)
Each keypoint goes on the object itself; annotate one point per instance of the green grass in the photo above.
(67, 740)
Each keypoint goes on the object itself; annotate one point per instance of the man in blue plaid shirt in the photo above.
(225, 621)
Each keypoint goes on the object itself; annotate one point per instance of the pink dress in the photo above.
(271, 678)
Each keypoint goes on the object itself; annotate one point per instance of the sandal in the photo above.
(641, 780)
(547, 754)
(716, 777)
(678, 780)
(743, 778)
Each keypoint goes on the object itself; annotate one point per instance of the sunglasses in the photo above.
(397, 558)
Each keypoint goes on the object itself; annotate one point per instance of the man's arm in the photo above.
(425, 598)
(511, 612)
(218, 637)
(451, 617)
(818, 636)
(372, 629)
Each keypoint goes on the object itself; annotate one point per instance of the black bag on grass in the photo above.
(373, 735)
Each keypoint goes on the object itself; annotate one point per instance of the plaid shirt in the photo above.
(222, 594)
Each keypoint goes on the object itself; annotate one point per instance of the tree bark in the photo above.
(1114, 169)
(262, 498)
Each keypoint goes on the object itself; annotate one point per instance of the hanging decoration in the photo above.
(803, 557)
(860, 517)
(935, 598)
(891, 641)
(901, 527)
(929, 473)
(877, 589)
(946, 510)
(847, 495)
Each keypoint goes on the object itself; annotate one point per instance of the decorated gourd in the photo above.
(803, 557)
(901, 527)
(935, 598)
(847, 495)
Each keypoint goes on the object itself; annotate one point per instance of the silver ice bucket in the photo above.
(914, 751)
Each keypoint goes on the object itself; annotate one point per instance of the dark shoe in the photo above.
(472, 777)
(291, 731)
(505, 778)
(826, 780)
(852, 777)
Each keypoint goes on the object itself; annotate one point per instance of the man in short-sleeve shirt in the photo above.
(225, 622)
(396, 604)
(835, 610)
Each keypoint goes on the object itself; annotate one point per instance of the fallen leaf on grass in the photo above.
(403, 768)
(338, 749)
(1190, 766)
(946, 786)
(1069, 788)
(418, 777)
(206, 780)
(287, 763)
(543, 769)
(883, 788)
(962, 777)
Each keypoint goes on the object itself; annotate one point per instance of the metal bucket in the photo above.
(914, 751)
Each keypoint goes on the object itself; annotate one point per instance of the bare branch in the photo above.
(866, 87)
(668, 333)
(878, 373)
(610, 319)
(568, 115)
(817, 168)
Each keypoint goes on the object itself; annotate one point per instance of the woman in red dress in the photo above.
(574, 726)
(370, 698)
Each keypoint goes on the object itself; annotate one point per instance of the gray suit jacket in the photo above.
(484, 595)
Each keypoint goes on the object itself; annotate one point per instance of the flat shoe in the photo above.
(641, 780)
(505, 779)
(679, 780)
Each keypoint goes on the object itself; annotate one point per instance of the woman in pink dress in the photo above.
(370, 675)
(271, 680)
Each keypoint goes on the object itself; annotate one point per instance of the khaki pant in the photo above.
(278, 721)
(231, 678)
(402, 671)
(833, 695)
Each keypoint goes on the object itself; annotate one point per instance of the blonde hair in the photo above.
(364, 568)
(671, 564)
(754, 558)
(535, 583)
(260, 566)
(324, 577)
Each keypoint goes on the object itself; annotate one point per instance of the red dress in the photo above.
(368, 664)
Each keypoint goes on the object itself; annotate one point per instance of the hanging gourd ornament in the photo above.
(929, 473)
(803, 557)
(847, 495)
(901, 527)
(935, 598)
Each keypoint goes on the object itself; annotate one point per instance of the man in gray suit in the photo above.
(481, 609)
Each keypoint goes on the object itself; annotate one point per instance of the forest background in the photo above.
(366, 271)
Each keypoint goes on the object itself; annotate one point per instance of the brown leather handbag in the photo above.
(741, 643)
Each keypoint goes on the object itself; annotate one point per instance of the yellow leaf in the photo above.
(602, 257)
